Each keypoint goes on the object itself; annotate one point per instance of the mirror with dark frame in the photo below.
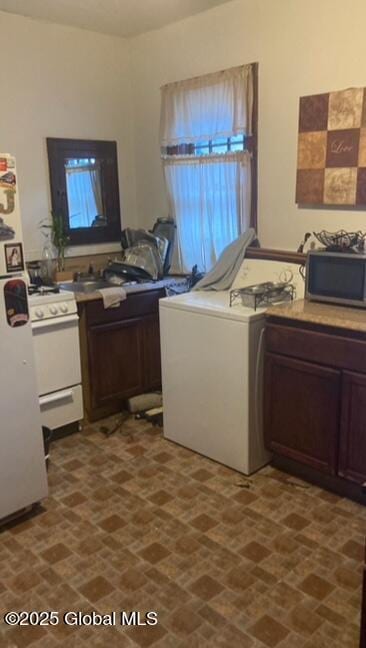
(84, 188)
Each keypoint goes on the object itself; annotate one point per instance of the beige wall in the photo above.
(306, 48)
(302, 48)
(62, 82)
(59, 81)
(213, 40)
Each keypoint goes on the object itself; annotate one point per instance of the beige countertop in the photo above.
(353, 319)
(83, 297)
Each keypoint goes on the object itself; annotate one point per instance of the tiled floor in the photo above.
(134, 522)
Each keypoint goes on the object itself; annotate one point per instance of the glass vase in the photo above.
(48, 263)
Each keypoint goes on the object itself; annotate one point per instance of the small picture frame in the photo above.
(14, 257)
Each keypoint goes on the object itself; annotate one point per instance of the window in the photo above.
(220, 145)
(83, 192)
(210, 203)
(208, 137)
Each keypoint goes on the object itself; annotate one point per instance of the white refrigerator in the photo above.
(23, 477)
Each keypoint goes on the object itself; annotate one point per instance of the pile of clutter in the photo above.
(147, 255)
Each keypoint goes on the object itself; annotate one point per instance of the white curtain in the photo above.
(80, 198)
(97, 190)
(207, 107)
(209, 198)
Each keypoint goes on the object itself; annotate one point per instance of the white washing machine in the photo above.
(212, 369)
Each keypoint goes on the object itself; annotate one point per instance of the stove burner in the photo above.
(42, 290)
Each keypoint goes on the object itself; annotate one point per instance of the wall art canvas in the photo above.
(331, 159)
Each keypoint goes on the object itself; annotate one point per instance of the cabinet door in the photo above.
(116, 360)
(152, 358)
(302, 411)
(363, 611)
(352, 455)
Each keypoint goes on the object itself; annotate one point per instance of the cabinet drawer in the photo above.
(136, 305)
(313, 346)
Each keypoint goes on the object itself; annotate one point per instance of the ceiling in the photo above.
(118, 17)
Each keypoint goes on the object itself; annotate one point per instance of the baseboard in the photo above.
(64, 431)
(332, 483)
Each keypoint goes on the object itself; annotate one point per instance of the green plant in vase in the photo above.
(58, 235)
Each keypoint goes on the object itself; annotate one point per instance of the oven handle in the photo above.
(54, 398)
(69, 319)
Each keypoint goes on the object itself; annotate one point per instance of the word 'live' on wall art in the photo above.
(331, 161)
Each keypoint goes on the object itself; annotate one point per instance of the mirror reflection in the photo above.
(84, 193)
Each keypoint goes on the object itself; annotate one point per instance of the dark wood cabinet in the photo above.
(120, 351)
(151, 346)
(116, 360)
(302, 411)
(363, 611)
(315, 403)
(352, 455)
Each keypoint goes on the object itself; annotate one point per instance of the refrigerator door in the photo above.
(11, 238)
(23, 478)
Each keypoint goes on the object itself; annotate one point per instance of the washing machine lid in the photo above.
(252, 271)
(216, 304)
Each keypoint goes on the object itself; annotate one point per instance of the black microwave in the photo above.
(336, 277)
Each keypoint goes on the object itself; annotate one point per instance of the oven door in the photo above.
(62, 407)
(57, 354)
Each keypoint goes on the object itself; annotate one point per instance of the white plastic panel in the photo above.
(208, 374)
(213, 303)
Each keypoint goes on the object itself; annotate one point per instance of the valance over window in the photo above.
(208, 107)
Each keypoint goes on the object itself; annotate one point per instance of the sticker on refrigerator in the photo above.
(10, 202)
(14, 257)
(8, 180)
(16, 303)
(3, 164)
(7, 233)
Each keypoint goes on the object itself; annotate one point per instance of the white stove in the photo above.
(55, 328)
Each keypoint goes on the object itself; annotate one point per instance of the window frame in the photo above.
(60, 149)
